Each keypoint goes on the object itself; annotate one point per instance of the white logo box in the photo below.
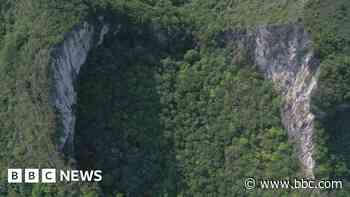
(31, 175)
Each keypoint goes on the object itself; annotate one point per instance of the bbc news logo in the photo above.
(52, 176)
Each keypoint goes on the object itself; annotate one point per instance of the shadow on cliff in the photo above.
(119, 128)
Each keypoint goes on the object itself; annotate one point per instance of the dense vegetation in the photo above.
(329, 23)
(222, 132)
(162, 108)
(27, 123)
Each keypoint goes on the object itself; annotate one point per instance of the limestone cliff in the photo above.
(67, 59)
(284, 54)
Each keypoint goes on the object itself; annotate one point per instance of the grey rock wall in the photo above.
(67, 59)
(284, 54)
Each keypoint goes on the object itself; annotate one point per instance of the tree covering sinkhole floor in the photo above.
(159, 125)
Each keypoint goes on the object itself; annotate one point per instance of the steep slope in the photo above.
(66, 60)
(291, 65)
(284, 54)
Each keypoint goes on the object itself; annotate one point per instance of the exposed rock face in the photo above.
(67, 59)
(284, 54)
